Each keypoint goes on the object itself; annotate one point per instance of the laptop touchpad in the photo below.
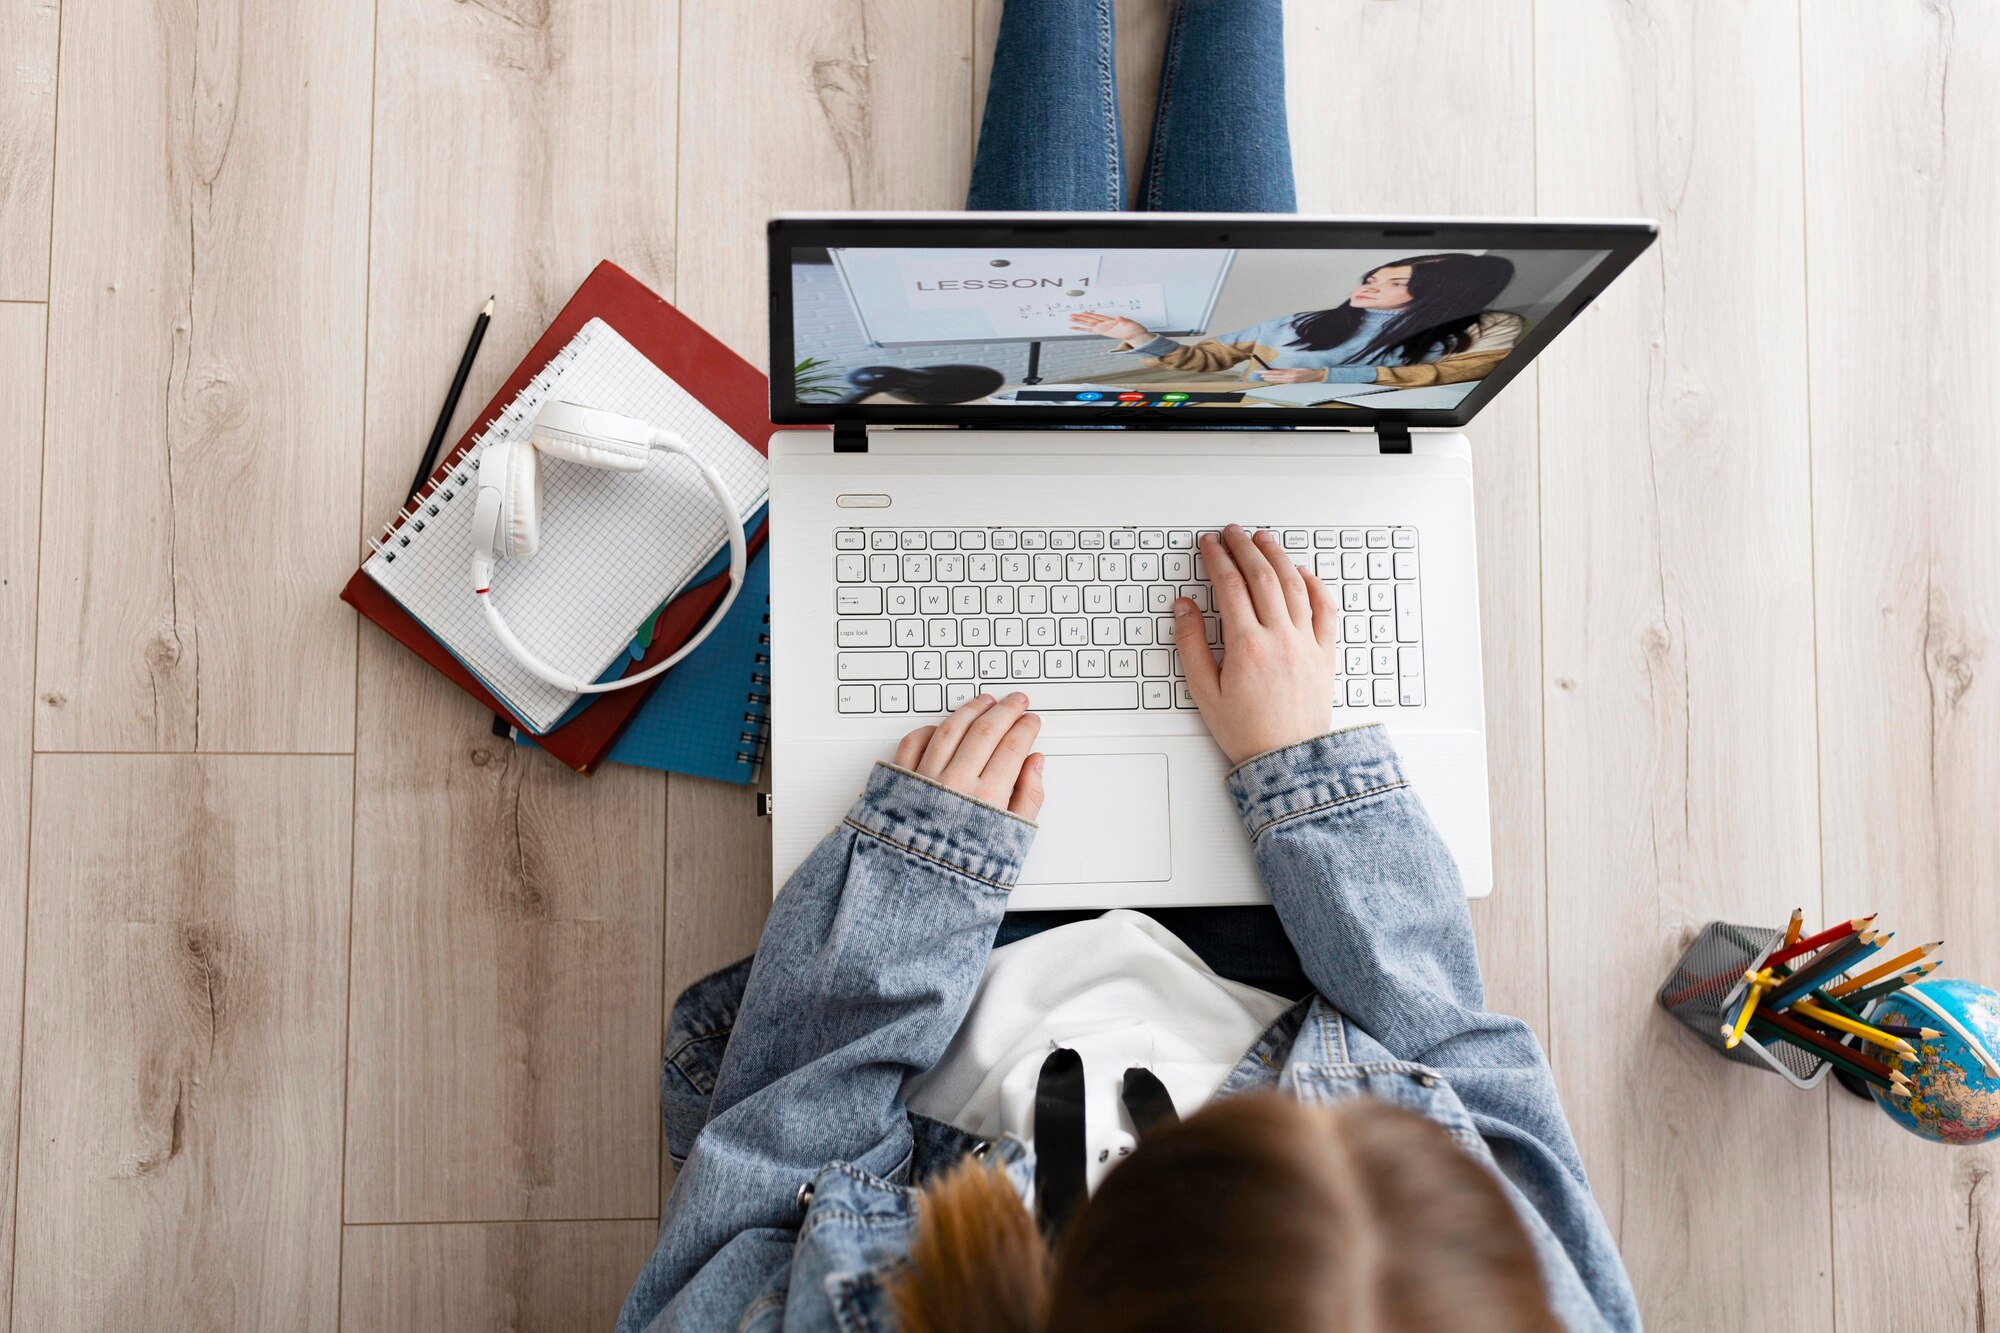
(1104, 819)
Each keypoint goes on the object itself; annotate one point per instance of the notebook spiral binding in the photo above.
(452, 475)
(755, 738)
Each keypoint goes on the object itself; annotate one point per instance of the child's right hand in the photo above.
(1274, 686)
(985, 750)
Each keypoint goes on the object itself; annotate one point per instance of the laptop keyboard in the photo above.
(1081, 619)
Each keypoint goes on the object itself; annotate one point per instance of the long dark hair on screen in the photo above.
(1448, 294)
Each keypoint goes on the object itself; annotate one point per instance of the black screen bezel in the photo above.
(1622, 242)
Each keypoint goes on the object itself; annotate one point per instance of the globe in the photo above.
(1955, 1097)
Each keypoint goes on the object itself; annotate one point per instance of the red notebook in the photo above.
(726, 384)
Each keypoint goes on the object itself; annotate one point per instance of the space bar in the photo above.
(1068, 696)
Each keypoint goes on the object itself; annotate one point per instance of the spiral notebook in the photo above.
(614, 545)
(710, 716)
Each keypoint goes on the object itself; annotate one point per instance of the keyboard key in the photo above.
(1211, 630)
(975, 631)
(927, 665)
(849, 568)
(884, 568)
(1180, 539)
(1027, 664)
(1357, 661)
(1196, 593)
(1059, 664)
(1074, 631)
(966, 601)
(1354, 565)
(1062, 539)
(1049, 567)
(1129, 599)
(1159, 694)
(913, 541)
(881, 540)
(874, 666)
(1177, 568)
(1411, 693)
(1160, 599)
(1008, 633)
(1081, 566)
(1125, 662)
(857, 698)
(1090, 662)
(1354, 629)
(1384, 660)
(1152, 539)
(1182, 697)
(1163, 630)
(910, 633)
(849, 539)
(902, 601)
(1381, 629)
(927, 698)
(1032, 599)
(1016, 568)
(1096, 599)
(1354, 597)
(958, 665)
(1324, 538)
(1006, 541)
(1138, 630)
(1409, 612)
(858, 601)
(944, 541)
(1297, 539)
(944, 633)
(982, 567)
(1409, 661)
(1326, 565)
(1091, 539)
(999, 600)
(972, 540)
(1406, 564)
(1106, 632)
(1381, 596)
(1042, 632)
(1113, 567)
(1066, 600)
(894, 698)
(1350, 538)
(1357, 693)
(1403, 538)
(951, 567)
(1154, 662)
(1069, 696)
(1145, 567)
(1378, 538)
(1123, 539)
(1385, 693)
(958, 694)
(993, 665)
(1034, 540)
(1379, 566)
(932, 600)
(919, 568)
(864, 633)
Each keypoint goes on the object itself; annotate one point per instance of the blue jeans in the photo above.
(1050, 140)
(1220, 145)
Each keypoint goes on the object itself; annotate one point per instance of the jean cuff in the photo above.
(936, 823)
(1314, 775)
(1160, 346)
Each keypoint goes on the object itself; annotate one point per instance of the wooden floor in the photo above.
(335, 1012)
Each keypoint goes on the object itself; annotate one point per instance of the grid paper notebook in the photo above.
(615, 545)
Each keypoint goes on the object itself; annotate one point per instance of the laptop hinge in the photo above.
(1394, 436)
(850, 436)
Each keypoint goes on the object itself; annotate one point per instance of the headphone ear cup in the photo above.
(521, 502)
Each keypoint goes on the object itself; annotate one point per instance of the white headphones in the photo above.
(507, 516)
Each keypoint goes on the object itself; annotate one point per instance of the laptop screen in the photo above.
(1122, 319)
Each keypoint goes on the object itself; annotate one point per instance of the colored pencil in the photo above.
(1908, 1033)
(1821, 999)
(1759, 983)
(1825, 1049)
(1862, 1030)
(1811, 942)
(1821, 1044)
(1811, 972)
(1792, 928)
(1875, 974)
(1862, 998)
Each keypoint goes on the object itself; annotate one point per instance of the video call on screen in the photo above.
(1166, 328)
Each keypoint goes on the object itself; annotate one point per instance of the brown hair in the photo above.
(1258, 1212)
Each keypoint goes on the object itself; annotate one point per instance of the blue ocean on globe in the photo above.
(1955, 1096)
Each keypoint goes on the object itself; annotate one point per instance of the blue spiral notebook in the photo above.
(710, 716)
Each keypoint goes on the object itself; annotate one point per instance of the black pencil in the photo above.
(451, 401)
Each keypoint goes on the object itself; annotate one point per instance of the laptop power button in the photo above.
(862, 501)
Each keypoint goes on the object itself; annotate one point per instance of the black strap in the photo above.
(1059, 1145)
(1147, 1102)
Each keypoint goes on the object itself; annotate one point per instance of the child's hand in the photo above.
(1274, 686)
(985, 750)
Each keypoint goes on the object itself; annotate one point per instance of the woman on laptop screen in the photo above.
(1415, 321)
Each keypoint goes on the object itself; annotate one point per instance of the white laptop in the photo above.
(1034, 416)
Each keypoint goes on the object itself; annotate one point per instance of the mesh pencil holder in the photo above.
(1706, 990)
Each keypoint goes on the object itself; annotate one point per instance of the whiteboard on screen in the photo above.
(904, 297)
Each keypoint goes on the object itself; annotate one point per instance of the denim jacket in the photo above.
(782, 1090)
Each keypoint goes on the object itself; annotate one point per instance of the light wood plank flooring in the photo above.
(320, 1008)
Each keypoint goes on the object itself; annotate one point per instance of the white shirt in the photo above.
(1120, 990)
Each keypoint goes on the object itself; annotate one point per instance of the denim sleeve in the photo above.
(1371, 899)
(866, 966)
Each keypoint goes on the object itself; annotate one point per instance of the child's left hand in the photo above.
(986, 750)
